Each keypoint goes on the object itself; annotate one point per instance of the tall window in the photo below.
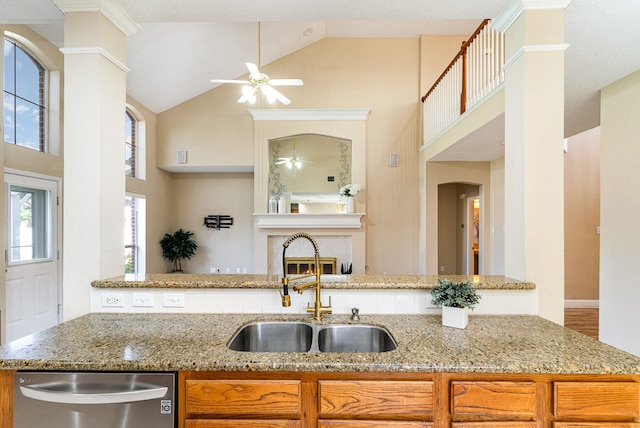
(24, 98)
(134, 234)
(130, 137)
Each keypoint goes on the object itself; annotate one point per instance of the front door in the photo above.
(32, 284)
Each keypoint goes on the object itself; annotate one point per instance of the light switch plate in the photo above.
(173, 300)
(143, 300)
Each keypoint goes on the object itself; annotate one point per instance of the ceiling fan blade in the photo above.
(273, 94)
(286, 82)
(229, 81)
(253, 70)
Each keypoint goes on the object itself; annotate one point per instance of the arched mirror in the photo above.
(312, 167)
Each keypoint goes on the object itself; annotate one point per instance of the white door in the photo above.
(33, 292)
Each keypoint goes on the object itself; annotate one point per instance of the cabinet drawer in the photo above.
(593, 400)
(243, 398)
(389, 399)
(235, 423)
(494, 425)
(596, 425)
(493, 401)
(372, 424)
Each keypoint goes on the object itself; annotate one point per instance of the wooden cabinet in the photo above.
(389, 400)
(493, 401)
(226, 403)
(407, 400)
(589, 404)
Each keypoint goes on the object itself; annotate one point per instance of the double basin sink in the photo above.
(296, 336)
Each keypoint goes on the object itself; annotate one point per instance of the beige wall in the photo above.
(620, 206)
(380, 74)
(195, 196)
(496, 204)
(582, 216)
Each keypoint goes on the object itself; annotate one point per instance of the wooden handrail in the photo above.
(461, 52)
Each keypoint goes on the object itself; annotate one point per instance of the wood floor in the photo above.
(583, 320)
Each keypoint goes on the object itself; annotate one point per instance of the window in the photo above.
(29, 224)
(130, 125)
(134, 235)
(134, 141)
(24, 98)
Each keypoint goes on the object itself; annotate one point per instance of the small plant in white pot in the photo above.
(456, 298)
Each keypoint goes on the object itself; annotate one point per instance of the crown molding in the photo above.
(514, 8)
(108, 8)
(95, 50)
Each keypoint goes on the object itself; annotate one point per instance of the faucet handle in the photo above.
(286, 299)
(355, 314)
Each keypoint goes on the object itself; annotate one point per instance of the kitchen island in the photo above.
(521, 369)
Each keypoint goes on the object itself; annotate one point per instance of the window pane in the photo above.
(9, 59)
(9, 118)
(29, 224)
(130, 145)
(27, 77)
(27, 124)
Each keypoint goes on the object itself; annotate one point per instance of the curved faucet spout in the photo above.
(318, 309)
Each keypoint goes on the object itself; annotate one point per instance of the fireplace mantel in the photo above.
(309, 221)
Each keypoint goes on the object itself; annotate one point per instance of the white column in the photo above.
(534, 165)
(94, 181)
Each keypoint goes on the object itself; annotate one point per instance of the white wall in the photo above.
(620, 214)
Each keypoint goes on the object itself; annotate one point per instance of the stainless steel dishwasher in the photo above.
(94, 400)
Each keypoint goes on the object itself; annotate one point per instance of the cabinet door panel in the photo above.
(593, 400)
(250, 423)
(271, 398)
(493, 400)
(596, 425)
(388, 399)
(372, 424)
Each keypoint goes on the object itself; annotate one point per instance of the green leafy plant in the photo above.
(454, 294)
(178, 246)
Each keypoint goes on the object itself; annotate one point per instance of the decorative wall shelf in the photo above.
(309, 221)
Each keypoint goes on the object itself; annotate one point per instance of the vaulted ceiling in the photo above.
(221, 35)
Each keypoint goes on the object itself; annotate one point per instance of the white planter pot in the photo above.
(455, 317)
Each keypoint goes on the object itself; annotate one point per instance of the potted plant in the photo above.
(456, 298)
(178, 246)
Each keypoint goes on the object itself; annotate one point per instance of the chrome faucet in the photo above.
(317, 309)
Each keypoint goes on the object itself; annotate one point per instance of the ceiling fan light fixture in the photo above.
(260, 83)
(248, 95)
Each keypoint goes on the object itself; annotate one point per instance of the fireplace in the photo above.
(306, 265)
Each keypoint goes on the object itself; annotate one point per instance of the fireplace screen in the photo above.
(306, 265)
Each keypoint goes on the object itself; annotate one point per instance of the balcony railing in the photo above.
(472, 74)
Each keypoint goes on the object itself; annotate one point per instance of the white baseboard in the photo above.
(582, 304)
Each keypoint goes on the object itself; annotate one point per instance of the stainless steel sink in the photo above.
(273, 337)
(355, 338)
(288, 336)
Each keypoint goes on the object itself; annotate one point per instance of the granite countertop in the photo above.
(149, 342)
(488, 282)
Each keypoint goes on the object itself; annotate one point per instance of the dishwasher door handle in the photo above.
(38, 392)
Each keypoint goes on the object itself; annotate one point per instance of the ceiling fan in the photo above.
(259, 82)
(292, 161)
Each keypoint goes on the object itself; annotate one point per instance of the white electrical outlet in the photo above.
(173, 300)
(113, 300)
(142, 300)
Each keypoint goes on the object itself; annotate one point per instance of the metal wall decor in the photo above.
(218, 221)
